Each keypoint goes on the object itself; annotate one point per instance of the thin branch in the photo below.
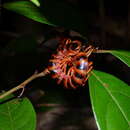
(101, 51)
(23, 85)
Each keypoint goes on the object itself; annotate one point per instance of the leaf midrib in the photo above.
(113, 98)
(9, 114)
(120, 53)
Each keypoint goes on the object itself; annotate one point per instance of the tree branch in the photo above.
(23, 84)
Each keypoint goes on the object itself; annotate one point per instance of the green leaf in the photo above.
(110, 98)
(17, 115)
(36, 2)
(28, 9)
(124, 56)
(51, 12)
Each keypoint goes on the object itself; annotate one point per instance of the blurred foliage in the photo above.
(27, 9)
(53, 13)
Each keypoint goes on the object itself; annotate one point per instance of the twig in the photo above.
(101, 51)
(22, 85)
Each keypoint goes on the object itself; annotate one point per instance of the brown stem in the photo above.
(101, 51)
(23, 84)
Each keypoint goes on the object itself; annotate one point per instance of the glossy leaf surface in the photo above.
(28, 9)
(54, 13)
(124, 56)
(17, 115)
(110, 98)
(36, 2)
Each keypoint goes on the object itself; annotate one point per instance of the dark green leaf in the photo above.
(124, 56)
(50, 12)
(17, 115)
(110, 99)
(28, 9)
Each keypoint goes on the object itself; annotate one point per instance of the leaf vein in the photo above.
(114, 99)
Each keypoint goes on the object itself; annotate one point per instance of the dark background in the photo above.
(26, 46)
